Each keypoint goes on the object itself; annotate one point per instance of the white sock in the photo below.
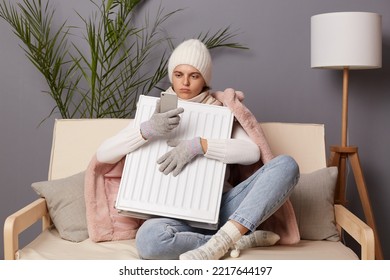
(217, 246)
(259, 238)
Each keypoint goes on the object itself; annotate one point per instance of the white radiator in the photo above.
(195, 194)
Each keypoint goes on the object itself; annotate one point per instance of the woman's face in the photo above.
(187, 81)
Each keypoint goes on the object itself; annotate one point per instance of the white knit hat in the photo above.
(191, 52)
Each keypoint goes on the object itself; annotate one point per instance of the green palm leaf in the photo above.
(119, 65)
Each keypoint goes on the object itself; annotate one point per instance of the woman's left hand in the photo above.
(182, 153)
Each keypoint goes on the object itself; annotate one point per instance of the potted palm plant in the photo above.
(120, 63)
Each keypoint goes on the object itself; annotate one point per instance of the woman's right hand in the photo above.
(160, 124)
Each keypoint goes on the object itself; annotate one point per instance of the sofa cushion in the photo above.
(49, 245)
(65, 202)
(313, 202)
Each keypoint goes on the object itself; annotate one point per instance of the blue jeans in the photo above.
(249, 203)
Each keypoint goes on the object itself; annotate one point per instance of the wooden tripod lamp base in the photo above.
(338, 157)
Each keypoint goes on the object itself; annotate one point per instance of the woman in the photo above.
(243, 208)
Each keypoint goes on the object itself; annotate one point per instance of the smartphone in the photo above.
(168, 101)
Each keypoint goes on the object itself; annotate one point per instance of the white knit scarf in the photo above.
(203, 97)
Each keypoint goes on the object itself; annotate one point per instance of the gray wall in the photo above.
(275, 74)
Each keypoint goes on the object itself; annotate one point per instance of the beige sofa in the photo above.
(75, 141)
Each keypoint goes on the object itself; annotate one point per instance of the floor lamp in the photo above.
(348, 41)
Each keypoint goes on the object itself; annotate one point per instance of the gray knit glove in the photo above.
(184, 151)
(160, 124)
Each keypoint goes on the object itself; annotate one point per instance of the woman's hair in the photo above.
(206, 88)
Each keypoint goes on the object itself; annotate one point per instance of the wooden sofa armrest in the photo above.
(19, 221)
(360, 231)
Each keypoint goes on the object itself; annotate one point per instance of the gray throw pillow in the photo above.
(66, 205)
(313, 203)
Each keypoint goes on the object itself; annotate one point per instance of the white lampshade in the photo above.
(346, 39)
